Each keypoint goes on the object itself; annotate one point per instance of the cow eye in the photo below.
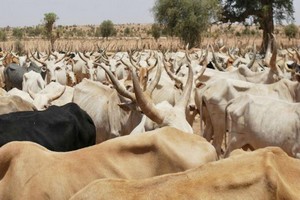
(118, 64)
(57, 68)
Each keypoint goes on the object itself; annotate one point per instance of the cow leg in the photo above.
(218, 139)
(236, 141)
(208, 130)
(207, 133)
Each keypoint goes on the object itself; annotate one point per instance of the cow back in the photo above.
(62, 128)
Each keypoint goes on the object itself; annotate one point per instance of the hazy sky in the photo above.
(31, 12)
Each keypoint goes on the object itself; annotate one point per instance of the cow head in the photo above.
(43, 99)
(55, 72)
(164, 114)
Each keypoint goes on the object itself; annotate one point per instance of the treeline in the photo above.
(106, 29)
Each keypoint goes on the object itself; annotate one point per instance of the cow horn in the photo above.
(84, 59)
(120, 88)
(230, 55)
(272, 63)
(101, 56)
(253, 58)
(268, 51)
(218, 66)
(36, 59)
(56, 96)
(297, 54)
(57, 61)
(148, 58)
(85, 55)
(201, 72)
(204, 57)
(149, 68)
(288, 69)
(31, 93)
(133, 63)
(124, 63)
(54, 55)
(155, 81)
(172, 75)
(187, 89)
(145, 102)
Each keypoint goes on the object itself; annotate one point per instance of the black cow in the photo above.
(59, 128)
(13, 74)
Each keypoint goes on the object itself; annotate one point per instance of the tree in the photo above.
(291, 31)
(3, 36)
(155, 31)
(263, 11)
(107, 29)
(127, 31)
(18, 33)
(49, 21)
(187, 19)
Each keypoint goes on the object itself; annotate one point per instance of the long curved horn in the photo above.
(103, 58)
(203, 57)
(145, 102)
(57, 61)
(133, 62)
(201, 72)
(54, 55)
(31, 93)
(297, 54)
(149, 68)
(288, 69)
(171, 75)
(84, 59)
(268, 51)
(155, 81)
(286, 65)
(219, 67)
(36, 59)
(120, 88)
(56, 96)
(148, 58)
(187, 90)
(272, 63)
(230, 55)
(85, 55)
(126, 64)
(253, 58)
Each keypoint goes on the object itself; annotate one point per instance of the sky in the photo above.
(19, 13)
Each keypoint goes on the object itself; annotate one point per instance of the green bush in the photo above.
(291, 31)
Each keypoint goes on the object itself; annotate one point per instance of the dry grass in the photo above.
(142, 40)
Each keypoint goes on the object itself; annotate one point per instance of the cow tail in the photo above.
(227, 127)
(201, 115)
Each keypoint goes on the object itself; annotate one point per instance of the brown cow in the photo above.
(29, 171)
(263, 174)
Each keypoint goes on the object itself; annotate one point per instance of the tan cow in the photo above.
(263, 174)
(13, 103)
(29, 171)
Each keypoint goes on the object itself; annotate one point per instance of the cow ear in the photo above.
(44, 68)
(200, 85)
(127, 106)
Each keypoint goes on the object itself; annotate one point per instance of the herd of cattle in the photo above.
(119, 125)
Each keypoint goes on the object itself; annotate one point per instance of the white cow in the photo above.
(214, 98)
(263, 121)
(34, 81)
(44, 98)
